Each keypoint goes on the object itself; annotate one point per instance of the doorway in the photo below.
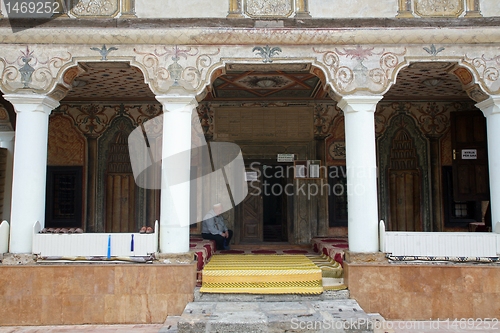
(264, 213)
(274, 202)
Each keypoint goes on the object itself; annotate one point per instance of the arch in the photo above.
(465, 72)
(397, 123)
(72, 70)
(218, 69)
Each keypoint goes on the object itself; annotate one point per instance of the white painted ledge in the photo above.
(94, 244)
(4, 237)
(440, 244)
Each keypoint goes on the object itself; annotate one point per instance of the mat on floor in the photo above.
(261, 274)
(332, 272)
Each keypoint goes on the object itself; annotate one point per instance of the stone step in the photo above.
(170, 325)
(344, 315)
(326, 295)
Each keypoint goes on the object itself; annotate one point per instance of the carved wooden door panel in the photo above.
(120, 187)
(251, 213)
(470, 156)
(405, 200)
(405, 183)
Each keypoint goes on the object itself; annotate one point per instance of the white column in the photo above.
(361, 161)
(30, 167)
(176, 165)
(491, 110)
(7, 142)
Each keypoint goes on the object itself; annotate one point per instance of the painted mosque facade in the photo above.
(397, 101)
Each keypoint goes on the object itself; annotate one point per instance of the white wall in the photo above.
(490, 8)
(353, 8)
(317, 8)
(219, 8)
(181, 8)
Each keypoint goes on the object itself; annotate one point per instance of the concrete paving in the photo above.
(343, 315)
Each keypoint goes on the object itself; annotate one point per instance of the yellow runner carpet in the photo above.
(261, 274)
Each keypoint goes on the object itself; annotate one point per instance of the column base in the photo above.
(473, 13)
(174, 258)
(235, 15)
(18, 259)
(405, 14)
(363, 257)
(303, 15)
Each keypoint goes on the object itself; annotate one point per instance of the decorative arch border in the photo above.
(344, 69)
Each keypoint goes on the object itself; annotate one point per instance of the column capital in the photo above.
(355, 103)
(32, 102)
(490, 106)
(179, 101)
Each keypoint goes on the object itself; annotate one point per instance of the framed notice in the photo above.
(300, 169)
(309, 169)
(469, 154)
(251, 176)
(313, 166)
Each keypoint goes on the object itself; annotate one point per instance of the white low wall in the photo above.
(94, 244)
(440, 244)
(4, 237)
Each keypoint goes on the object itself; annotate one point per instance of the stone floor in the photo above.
(84, 328)
(170, 327)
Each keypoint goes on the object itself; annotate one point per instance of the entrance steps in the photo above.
(331, 311)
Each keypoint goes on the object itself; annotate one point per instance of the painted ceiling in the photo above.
(119, 82)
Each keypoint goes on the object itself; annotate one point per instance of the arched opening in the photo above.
(280, 115)
(106, 102)
(432, 102)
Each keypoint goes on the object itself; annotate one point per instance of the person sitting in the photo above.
(213, 227)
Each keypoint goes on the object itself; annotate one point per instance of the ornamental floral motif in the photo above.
(433, 8)
(488, 71)
(267, 52)
(433, 118)
(266, 8)
(96, 8)
(90, 119)
(206, 118)
(324, 117)
(30, 69)
(186, 68)
(358, 68)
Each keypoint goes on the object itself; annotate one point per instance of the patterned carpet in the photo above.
(262, 274)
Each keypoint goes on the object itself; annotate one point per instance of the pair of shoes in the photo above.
(146, 230)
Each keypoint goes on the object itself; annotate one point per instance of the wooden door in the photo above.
(405, 200)
(405, 183)
(470, 156)
(251, 213)
(120, 187)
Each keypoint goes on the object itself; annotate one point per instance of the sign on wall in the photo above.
(469, 154)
